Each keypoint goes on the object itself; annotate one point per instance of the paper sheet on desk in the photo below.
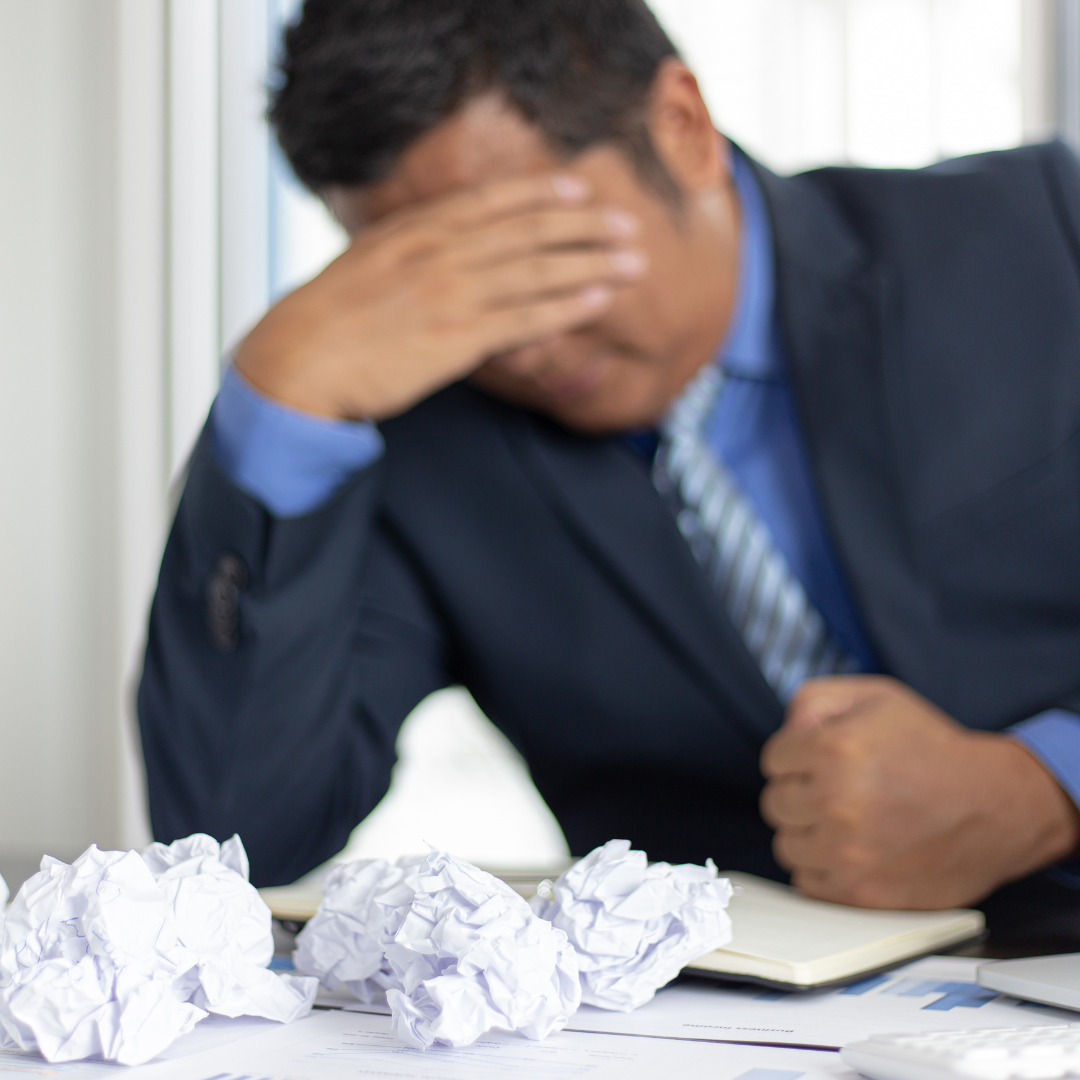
(935, 994)
(213, 1033)
(342, 1045)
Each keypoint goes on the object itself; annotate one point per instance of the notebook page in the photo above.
(774, 922)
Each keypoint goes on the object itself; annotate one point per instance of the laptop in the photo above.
(1049, 980)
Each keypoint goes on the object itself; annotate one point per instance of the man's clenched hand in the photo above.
(422, 297)
(881, 800)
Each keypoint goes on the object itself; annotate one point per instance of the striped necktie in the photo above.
(767, 603)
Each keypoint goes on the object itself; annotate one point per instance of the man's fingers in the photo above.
(818, 700)
(430, 227)
(558, 272)
(790, 848)
(539, 229)
(508, 327)
(466, 209)
(823, 884)
(791, 801)
(790, 750)
(816, 847)
(880, 890)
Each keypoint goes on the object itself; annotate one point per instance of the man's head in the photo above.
(387, 103)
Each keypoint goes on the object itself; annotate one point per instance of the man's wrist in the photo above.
(288, 382)
(1050, 813)
(1053, 738)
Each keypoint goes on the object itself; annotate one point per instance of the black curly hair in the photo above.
(359, 80)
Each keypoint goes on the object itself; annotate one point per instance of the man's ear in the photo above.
(682, 130)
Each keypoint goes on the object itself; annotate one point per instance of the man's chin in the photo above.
(598, 415)
(595, 402)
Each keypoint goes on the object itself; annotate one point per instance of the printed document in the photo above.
(691, 1027)
(209, 1034)
(935, 994)
(339, 1045)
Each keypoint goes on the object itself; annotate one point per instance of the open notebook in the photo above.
(781, 938)
(784, 939)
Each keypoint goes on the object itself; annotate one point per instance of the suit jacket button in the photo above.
(223, 602)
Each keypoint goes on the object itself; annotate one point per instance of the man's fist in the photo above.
(881, 800)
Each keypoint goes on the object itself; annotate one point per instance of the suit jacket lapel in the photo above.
(833, 300)
(608, 501)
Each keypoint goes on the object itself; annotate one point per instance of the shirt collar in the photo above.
(747, 350)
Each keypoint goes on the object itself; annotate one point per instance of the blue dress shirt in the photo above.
(293, 462)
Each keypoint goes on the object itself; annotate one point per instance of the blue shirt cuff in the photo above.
(1054, 738)
(291, 461)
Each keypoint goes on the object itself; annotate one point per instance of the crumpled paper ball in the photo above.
(88, 959)
(118, 955)
(461, 952)
(3, 901)
(223, 921)
(471, 956)
(635, 926)
(342, 945)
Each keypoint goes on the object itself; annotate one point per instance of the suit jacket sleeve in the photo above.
(283, 655)
(1063, 177)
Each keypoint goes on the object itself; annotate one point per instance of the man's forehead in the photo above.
(486, 139)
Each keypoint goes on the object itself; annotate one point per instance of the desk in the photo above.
(1037, 916)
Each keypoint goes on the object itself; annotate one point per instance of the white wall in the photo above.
(81, 472)
(57, 393)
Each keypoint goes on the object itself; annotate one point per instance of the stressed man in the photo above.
(748, 507)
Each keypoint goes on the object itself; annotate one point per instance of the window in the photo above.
(871, 82)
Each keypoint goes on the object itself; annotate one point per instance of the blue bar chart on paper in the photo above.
(953, 995)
